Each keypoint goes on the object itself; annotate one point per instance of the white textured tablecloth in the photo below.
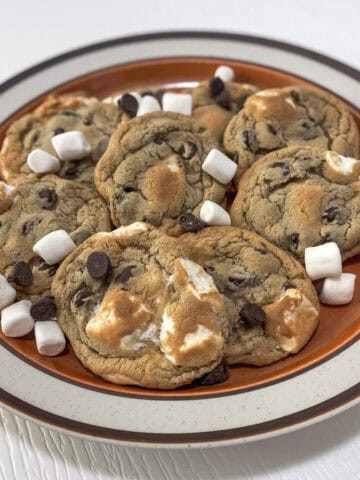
(32, 31)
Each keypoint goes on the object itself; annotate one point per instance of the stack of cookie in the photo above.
(116, 228)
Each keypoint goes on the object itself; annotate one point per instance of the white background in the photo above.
(32, 31)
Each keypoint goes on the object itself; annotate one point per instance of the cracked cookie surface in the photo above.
(151, 171)
(301, 197)
(59, 114)
(153, 318)
(270, 303)
(35, 208)
(215, 107)
(292, 116)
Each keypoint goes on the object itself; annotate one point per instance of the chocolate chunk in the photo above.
(129, 104)
(49, 198)
(338, 214)
(240, 102)
(124, 276)
(72, 170)
(57, 131)
(21, 274)
(159, 95)
(98, 264)
(216, 86)
(44, 309)
(224, 100)
(158, 139)
(249, 140)
(82, 296)
(252, 315)
(220, 374)
(187, 150)
(294, 240)
(271, 129)
(191, 223)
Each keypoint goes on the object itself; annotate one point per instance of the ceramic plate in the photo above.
(255, 402)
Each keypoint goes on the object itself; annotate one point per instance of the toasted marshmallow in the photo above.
(120, 315)
(291, 320)
(200, 281)
(339, 165)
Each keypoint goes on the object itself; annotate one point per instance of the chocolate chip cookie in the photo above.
(216, 102)
(291, 116)
(270, 303)
(301, 197)
(56, 115)
(151, 171)
(35, 208)
(137, 311)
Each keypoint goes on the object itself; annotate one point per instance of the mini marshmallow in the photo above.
(148, 104)
(49, 338)
(226, 73)
(54, 246)
(7, 293)
(338, 291)
(71, 145)
(212, 214)
(323, 261)
(16, 320)
(177, 102)
(40, 161)
(219, 166)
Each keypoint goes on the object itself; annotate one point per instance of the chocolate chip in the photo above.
(71, 171)
(42, 266)
(129, 189)
(21, 274)
(249, 140)
(325, 239)
(124, 276)
(68, 113)
(158, 139)
(295, 96)
(220, 374)
(49, 198)
(57, 131)
(82, 296)
(261, 251)
(80, 236)
(240, 279)
(44, 309)
(252, 315)
(147, 92)
(28, 226)
(187, 150)
(100, 148)
(209, 269)
(271, 129)
(284, 166)
(87, 122)
(216, 86)
(294, 240)
(241, 101)
(338, 214)
(190, 223)
(224, 100)
(129, 103)
(52, 270)
(318, 284)
(98, 264)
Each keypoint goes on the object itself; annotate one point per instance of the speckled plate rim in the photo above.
(306, 398)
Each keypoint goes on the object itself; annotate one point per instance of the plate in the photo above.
(254, 403)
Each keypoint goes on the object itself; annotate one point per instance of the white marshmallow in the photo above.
(212, 214)
(338, 291)
(224, 72)
(177, 102)
(219, 166)
(49, 338)
(71, 145)
(7, 293)
(54, 246)
(323, 261)
(339, 163)
(16, 320)
(148, 104)
(40, 161)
